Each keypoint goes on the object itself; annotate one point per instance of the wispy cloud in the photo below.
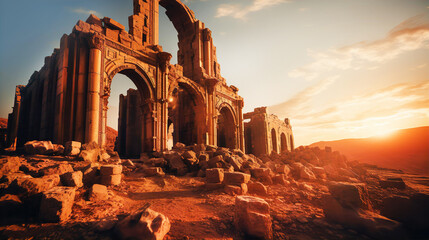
(410, 35)
(84, 11)
(239, 12)
(300, 101)
(367, 113)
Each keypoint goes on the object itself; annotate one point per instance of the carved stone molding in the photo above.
(164, 60)
(96, 41)
(207, 34)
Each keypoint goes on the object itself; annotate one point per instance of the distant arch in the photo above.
(292, 146)
(274, 140)
(283, 142)
(226, 130)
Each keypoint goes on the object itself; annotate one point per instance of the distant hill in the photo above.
(111, 135)
(406, 149)
(3, 123)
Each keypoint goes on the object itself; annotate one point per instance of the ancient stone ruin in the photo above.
(266, 133)
(67, 100)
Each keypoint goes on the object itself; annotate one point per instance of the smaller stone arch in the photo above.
(185, 107)
(283, 142)
(136, 131)
(292, 145)
(144, 83)
(274, 140)
(226, 127)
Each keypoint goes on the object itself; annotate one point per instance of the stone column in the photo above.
(96, 43)
(207, 40)
(103, 137)
(61, 90)
(164, 61)
(211, 111)
(240, 126)
(81, 94)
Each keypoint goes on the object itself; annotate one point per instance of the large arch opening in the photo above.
(130, 114)
(274, 140)
(283, 142)
(185, 121)
(226, 131)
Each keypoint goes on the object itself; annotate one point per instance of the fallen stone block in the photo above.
(235, 161)
(307, 174)
(283, 169)
(214, 175)
(9, 165)
(106, 170)
(109, 180)
(56, 204)
(215, 162)
(39, 147)
(236, 190)
(59, 169)
(279, 179)
(257, 188)
(72, 148)
(176, 163)
(350, 195)
(90, 155)
(236, 178)
(98, 193)
(58, 149)
(32, 186)
(143, 225)
(154, 171)
(72, 179)
(262, 174)
(91, 176)
(252, 217)
(365, 221)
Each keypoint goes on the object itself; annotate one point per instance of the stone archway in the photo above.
(274, 140)
(292, 145)
(185, 108)
(226, 128)
(74, 83)
(135, 123)
(283, 142)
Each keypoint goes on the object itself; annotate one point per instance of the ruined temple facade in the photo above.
(266, 133)
(68, 98)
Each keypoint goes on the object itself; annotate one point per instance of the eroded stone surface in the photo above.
(57, 203)
(143, 225)
(252, 216)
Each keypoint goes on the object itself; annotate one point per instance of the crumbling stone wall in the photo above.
(67, 100)
(266, 133)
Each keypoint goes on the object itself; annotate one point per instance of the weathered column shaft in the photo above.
(60, 90)
(81, 94)
(93, 107)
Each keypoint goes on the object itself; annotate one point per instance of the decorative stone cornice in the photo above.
(207, 35)
(164, 60)
(96, 41)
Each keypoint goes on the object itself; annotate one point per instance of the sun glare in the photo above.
(384, 133)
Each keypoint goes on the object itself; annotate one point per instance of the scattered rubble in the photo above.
(309, 191)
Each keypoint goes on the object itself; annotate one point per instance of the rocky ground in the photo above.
(307, 194)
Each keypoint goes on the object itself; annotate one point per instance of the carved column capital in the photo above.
(164, 60)
(96, 40)
(211, 84)
(207, 35)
